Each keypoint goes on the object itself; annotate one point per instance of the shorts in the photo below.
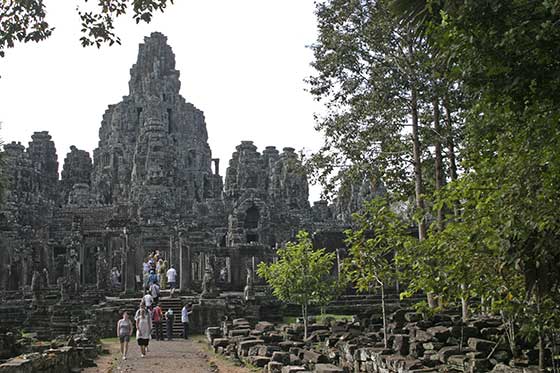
(124, 338)
(143, 341)
(172, 285)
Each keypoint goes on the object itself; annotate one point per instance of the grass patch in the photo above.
(319, 318)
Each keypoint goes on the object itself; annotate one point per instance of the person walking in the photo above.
(169, 323)
(148, 300)
(157, 317)
(163, 274)
(124, 332)
(172, 278)
(185, 312)
(154, 291)
(143, 331)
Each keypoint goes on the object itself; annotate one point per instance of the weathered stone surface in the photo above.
(478, 344)
(327, 368)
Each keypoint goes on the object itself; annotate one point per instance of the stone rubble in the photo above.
(442, 343)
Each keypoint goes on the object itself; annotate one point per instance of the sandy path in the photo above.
(174, 356)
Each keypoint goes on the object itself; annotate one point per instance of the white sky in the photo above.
(241, 62)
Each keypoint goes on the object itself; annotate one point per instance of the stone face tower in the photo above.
(153, 153)
(150, 186)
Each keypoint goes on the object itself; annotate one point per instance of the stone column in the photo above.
(185, 265)
(237, 280)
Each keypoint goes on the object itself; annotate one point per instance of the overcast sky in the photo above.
(242, 62)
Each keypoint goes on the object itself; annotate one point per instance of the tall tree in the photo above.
(371, 78)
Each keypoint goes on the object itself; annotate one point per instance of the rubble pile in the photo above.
(415, 344)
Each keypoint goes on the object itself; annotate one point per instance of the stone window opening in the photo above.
(252, 237)
(252, 216)
(138, 113)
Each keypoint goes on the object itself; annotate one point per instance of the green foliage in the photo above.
(378, 235)
(25, 20)
(301, 275)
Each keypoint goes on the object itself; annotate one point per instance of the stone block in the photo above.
(327, 368)
(220, 342)
(239, 332)
(478, 344)
(422, 336)
(401, 345)
(445, 352)
(281, 357)
(314, 357)
(432, 345)
(264, 326)
(274, 367)
(213, 332)
(244, 346)
(441, 333)
(293, 369)
(259, 361)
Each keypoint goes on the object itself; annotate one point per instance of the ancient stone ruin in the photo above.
(151, 184)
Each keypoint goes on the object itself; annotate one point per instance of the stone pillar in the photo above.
(185, 266)
(129, 266)
(237, 279)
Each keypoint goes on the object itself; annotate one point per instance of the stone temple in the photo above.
(153, 185)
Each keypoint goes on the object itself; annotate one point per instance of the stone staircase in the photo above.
(176, 304)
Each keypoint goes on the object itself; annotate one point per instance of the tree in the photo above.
(25, 20)
(506, 56)
(378, 235)
(301, 275)
(382, 86)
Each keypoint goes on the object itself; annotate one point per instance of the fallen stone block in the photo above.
(445, 352)
(314, 357)
(327, 368)
(293, 369)
(478, 344)
(274, 367)
(441, 333)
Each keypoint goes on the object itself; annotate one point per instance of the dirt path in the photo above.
(174, 356)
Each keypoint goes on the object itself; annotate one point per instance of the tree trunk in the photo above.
(384, 316)
(304, 314)
(439, 177)
(418, 185)
(450, 142)
(465, 308)
(540, 331)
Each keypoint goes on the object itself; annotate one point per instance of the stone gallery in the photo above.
(151, 184)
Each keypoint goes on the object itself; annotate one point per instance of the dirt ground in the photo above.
(174, 356)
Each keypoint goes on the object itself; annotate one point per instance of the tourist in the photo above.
(145, 273)
(169, 323)
(155, 290)
(172, 278)
(163, 274)
(142, 306)
(124, 332)
(152, 278)
(185, 312)
(157, 317)
(115, 278)
(143, 331)
(148, 300)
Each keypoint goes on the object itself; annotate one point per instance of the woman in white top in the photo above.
(143, 330)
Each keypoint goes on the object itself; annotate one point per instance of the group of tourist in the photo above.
(156, 270)
(149, 318)
(148, 322)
